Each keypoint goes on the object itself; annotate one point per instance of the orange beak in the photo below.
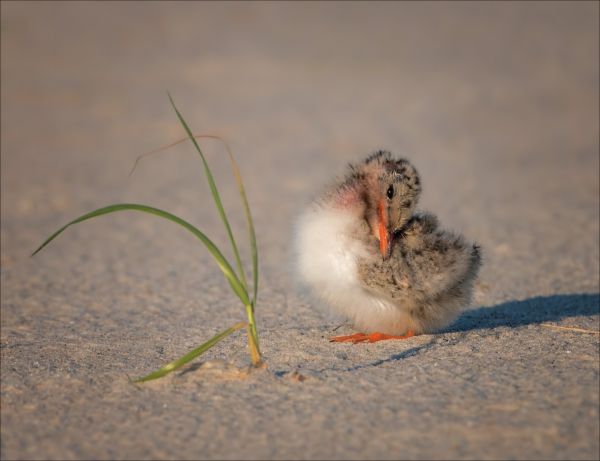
(385, 243)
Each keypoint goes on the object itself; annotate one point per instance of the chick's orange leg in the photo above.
(374, 337)
(371, 338)
(355, 338)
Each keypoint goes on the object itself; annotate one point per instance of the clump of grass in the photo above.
(237, 280)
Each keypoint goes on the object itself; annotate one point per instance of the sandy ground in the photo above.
(496, 104)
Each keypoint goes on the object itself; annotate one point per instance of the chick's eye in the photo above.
(390, 192)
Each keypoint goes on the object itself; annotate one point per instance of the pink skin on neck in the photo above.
(347, 198)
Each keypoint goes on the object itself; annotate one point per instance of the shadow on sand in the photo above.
(539, 309)
(528, 311)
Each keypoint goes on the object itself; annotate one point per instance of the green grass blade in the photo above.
(175, 364)
(241, 189)
(215, 194)
(212, 248)
(250, 222)
(252, 332)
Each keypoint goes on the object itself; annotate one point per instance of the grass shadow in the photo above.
(529, 311)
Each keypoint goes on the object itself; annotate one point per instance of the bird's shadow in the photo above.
(529, 311)
(511, 314)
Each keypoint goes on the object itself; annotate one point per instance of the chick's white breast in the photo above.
(327, 257)
(327, 253)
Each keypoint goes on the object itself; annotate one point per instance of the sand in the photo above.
(497, 106)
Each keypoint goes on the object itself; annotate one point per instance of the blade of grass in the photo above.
(215, 194)
(168, 146)
(250, 222)
(252, 332)
(253, 345)
(225, 267)
(175, 364)
(240, 185)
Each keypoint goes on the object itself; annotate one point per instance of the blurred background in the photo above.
(496, 103)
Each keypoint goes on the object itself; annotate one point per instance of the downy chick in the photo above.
(363, 250)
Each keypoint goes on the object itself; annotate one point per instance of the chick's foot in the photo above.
(369, 338)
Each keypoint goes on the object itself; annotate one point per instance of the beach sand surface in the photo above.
(495, 103)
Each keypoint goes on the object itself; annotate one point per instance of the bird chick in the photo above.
(363, 250)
